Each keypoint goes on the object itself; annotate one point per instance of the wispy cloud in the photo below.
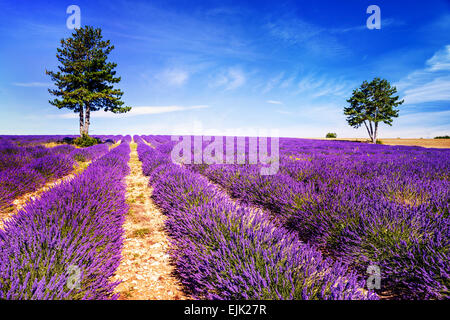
(178, 33)
(284, 111)
(312, 37)
(385, 23)
(435, 90)
(230, 79)
(318, 86)
(431, 83)
(440, 61)
(434, 117)
(273, 82)
(32, 84)
(222, 11)
(274, 102)
(135, 111)
(173, 77)
(287, 82)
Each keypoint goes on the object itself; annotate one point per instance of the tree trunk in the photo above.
(376, 126)
(87, 119)
(369, 130)
(374, 140)
(81, 120)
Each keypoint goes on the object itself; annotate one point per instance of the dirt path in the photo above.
(145, 269)
(21, 201)
(115, 145)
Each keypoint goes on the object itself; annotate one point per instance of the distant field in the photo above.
(427, 143)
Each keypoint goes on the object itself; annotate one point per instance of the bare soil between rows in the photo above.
(146, 271)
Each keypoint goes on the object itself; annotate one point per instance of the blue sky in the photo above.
(234, 67)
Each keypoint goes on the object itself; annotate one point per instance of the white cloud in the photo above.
(135, 111)
(431, 83)
(273, 82)
(315, 87)
(425, 117)
(231, 79)
(173, 77)
(436, 90)
(236, 79)
(440, 60)
(274, 102)
(388, 22)
(314, 38)
(287, 82)
(32, 84)
(294, 30)
(283, 111)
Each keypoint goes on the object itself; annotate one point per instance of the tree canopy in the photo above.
(85, 78)
(371, 104)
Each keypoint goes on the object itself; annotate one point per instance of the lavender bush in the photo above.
(364, 204)
(77, 223)
(224, 251)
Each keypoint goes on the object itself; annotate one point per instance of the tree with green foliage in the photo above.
(85, 80)
(371, 104)
(331, 135)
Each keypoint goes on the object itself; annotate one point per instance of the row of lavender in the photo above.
(27, 140)
(25, 169)
(362, 204)
(383, 205)
(67, 244)
(225, 251)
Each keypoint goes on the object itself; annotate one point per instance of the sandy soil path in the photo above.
(145, 269)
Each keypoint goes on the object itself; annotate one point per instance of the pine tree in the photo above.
(85, 78)
(372, 103)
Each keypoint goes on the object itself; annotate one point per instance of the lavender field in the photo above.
(309, 231)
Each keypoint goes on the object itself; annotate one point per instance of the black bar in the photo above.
(202, 309)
